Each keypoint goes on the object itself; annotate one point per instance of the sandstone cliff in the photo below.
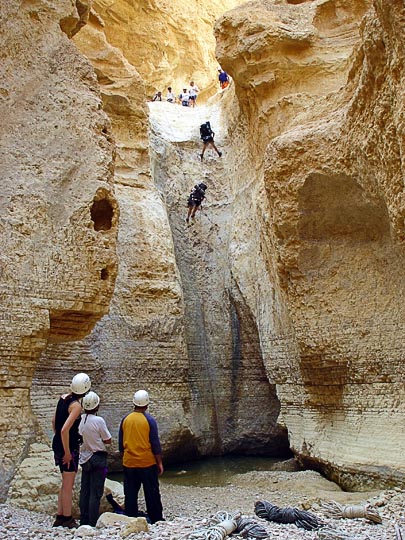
(325, 104)
(282, 308)
(58, 212)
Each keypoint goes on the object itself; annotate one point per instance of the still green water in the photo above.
(210, 472)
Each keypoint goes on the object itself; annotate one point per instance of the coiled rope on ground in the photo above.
(337, 511)
(300, 518)
(224, 523)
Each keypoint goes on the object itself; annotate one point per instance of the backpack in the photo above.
(205, 130)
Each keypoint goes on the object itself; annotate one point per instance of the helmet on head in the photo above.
(80, 383)
(202, 186)
(141, 398)
(90, 401)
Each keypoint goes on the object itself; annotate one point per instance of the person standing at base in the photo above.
(93, 459)
(138, 440)
(65, 445)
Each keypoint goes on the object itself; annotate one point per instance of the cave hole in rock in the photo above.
(336, 207)
(102, 214)
(104, 273)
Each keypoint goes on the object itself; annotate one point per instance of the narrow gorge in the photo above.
(275, 324)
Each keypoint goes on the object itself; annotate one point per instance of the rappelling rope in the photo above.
(300, 518)
(222, 524)
(247, 527)
(399, 533)
(337, 511)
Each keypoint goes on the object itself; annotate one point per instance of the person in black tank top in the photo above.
(65, 445)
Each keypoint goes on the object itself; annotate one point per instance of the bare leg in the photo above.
(203, 151)
(65, 494)
(216, 149)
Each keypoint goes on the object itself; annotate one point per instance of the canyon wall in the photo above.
(281, 309)
(59, 214)
(169, 43)
(326, 104)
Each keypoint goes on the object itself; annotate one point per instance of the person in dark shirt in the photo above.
(223, 78)
(195, 200)
(65, 445)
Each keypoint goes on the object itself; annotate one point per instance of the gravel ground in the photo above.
(188, 508)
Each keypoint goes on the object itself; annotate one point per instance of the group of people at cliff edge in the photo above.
(187, 98)
(80, 438)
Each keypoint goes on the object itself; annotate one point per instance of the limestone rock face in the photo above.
(141, 342)
(327, 105)
(169, 43)
(58, 212)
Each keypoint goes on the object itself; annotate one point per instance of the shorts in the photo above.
(68, 467)
(207, 140)
(184, 103)
(193, 203)
(193, 98)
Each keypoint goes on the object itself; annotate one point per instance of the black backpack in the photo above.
(205, 130)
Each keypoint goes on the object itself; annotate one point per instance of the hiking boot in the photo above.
(201, 156)
(58, 521)
(219, 154)
(70, 523)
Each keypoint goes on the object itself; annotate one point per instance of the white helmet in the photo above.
(141, 398)
(80, 383)
(90, 401)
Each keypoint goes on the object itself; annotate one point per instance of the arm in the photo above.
(53, 424)
(104, 433)
(121, 438)
(159, 463)
(74, 413)
(107, 441)
(155, 442)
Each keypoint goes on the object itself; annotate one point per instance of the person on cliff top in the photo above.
(207, 136)
(170, 96)
(157, 97)
(138, 440)
(93, 459)
(184, 98)
(193, 92)
(65, 445)
(195, 200)
(223, 78)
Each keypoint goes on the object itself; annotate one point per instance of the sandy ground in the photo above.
(189, 508)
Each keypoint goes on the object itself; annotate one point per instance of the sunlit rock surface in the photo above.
(323, 92)
(282, 307)
(58, 211)
(169, 43)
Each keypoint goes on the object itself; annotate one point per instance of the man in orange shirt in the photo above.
(138, 439)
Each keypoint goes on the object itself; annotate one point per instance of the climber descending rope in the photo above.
(195, 200)
(300, 518)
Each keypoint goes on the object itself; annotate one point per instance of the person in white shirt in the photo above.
(170, 96)
(193, 92)
(93, 459)
(184, 97)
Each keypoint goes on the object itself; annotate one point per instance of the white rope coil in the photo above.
(338, 511)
